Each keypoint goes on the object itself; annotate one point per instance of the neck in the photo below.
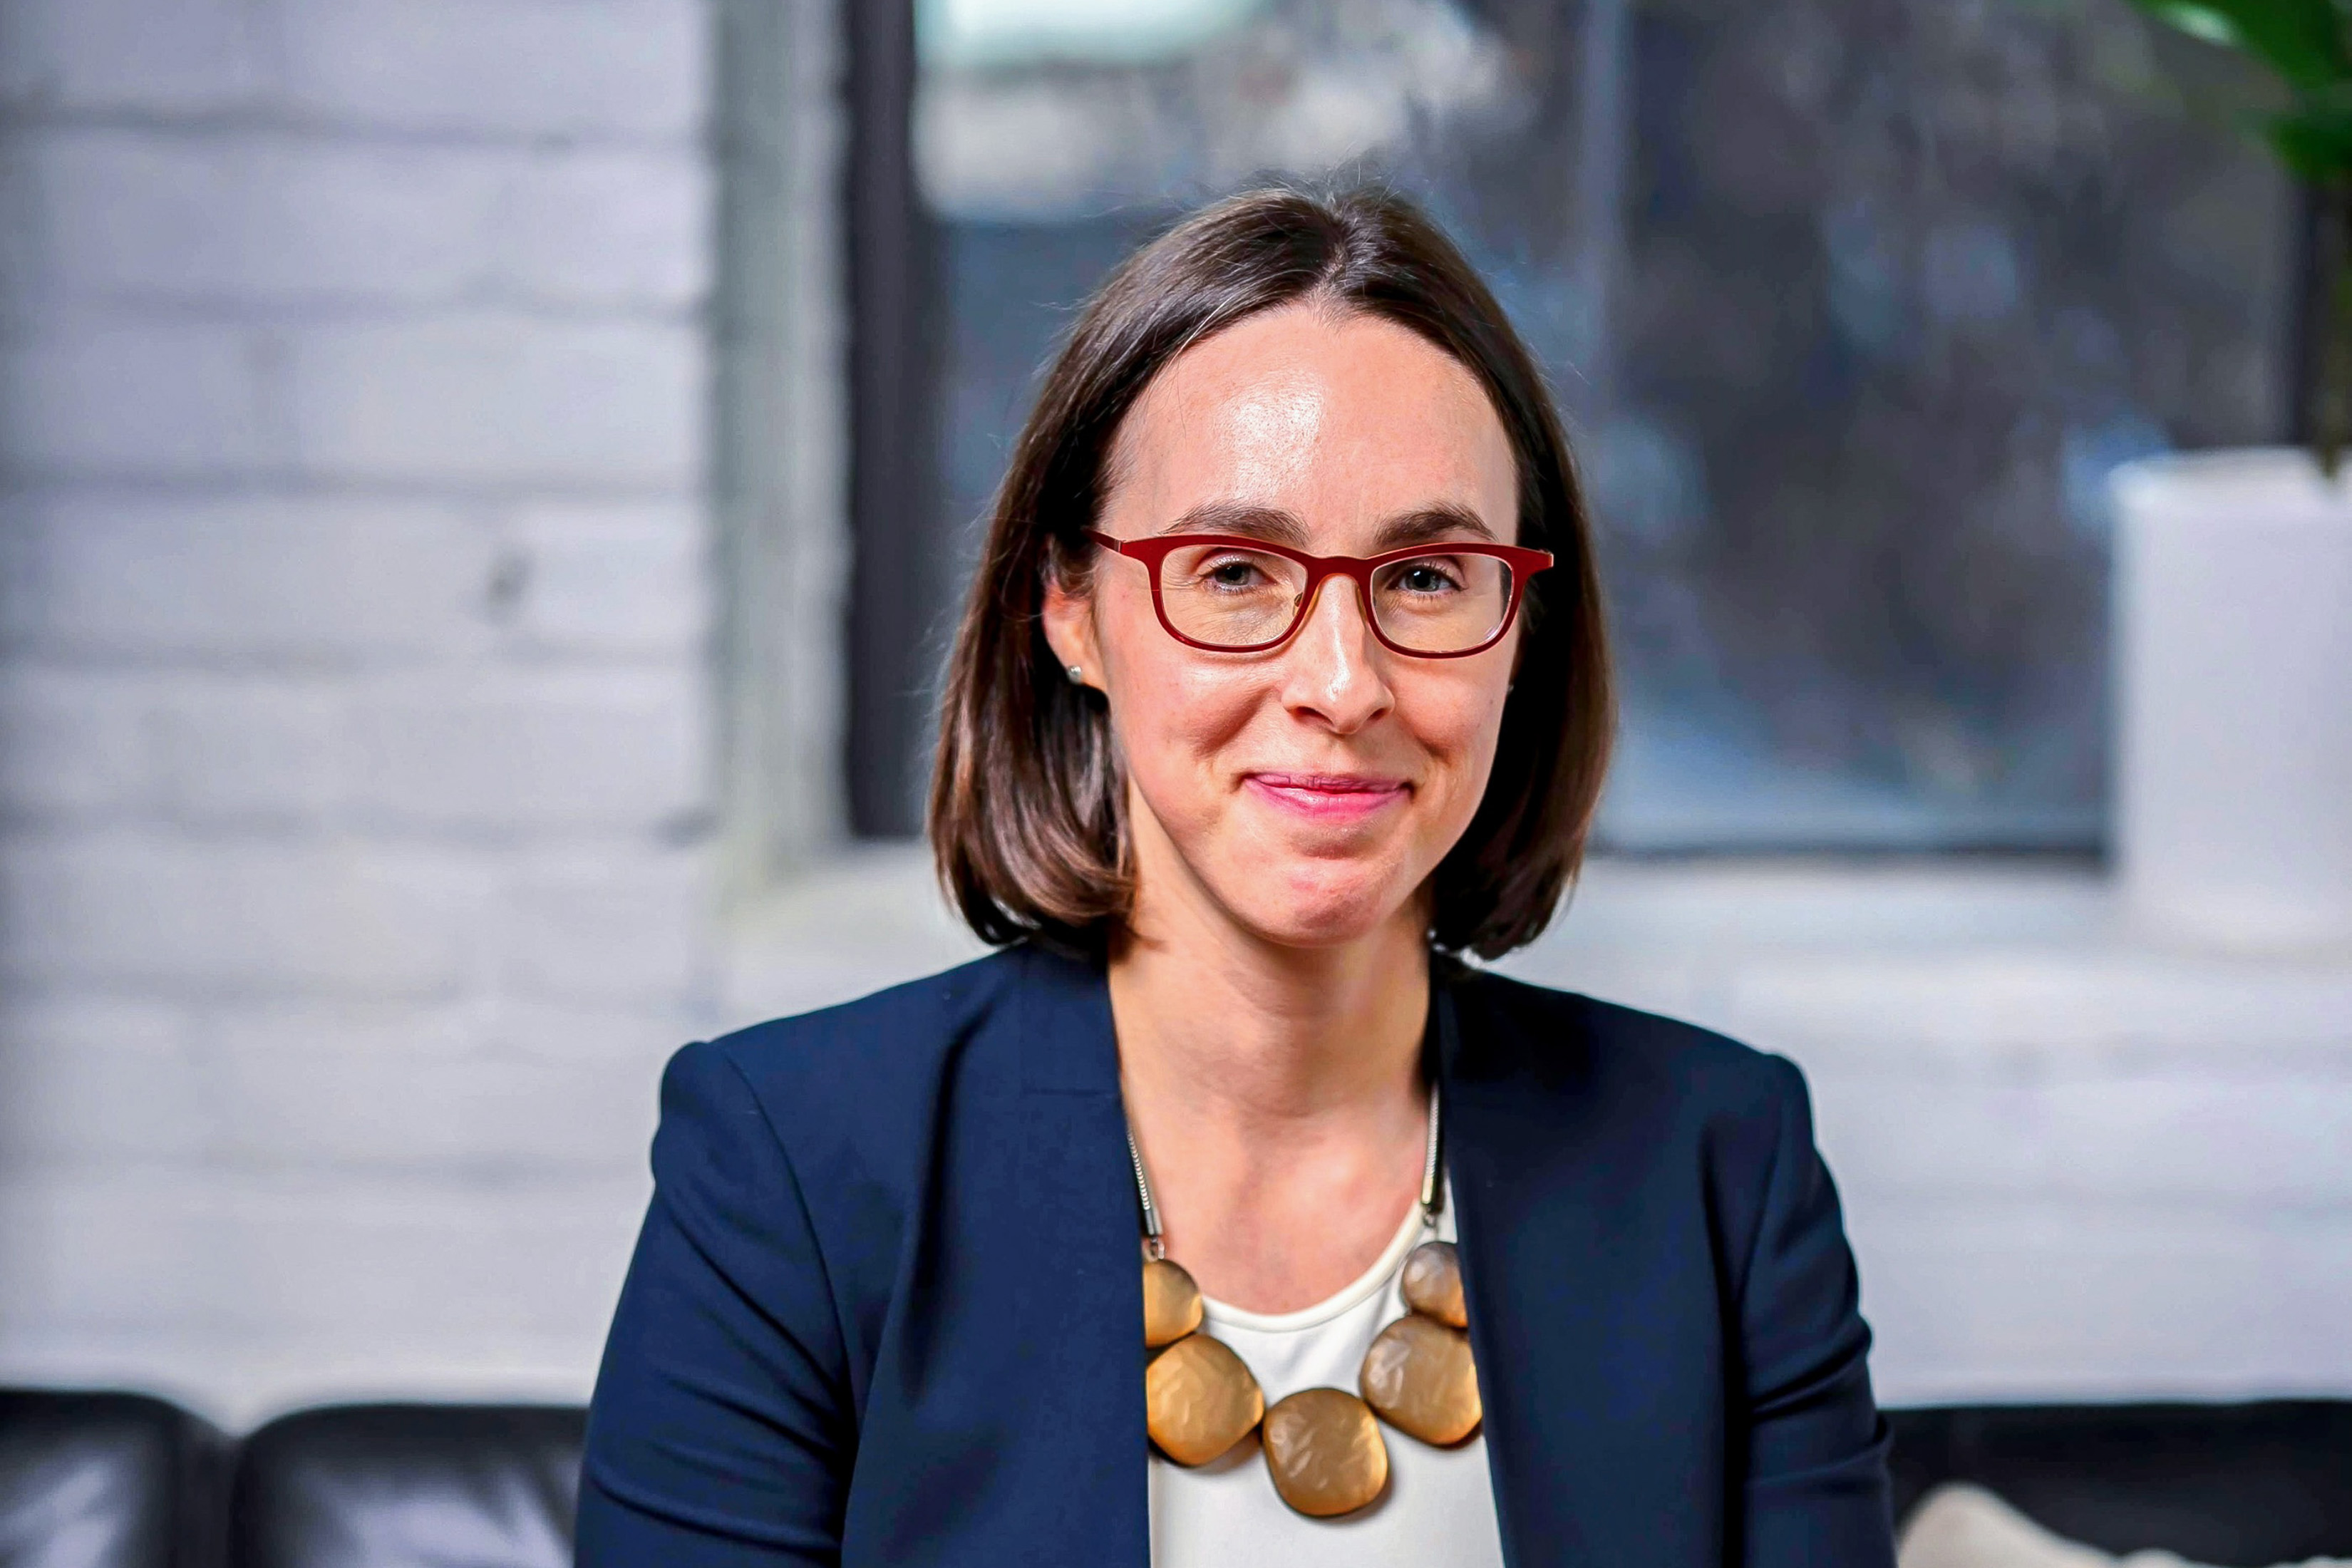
(1235, 1029)
(1275, 1094)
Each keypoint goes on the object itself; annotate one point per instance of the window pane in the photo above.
(1852, 303)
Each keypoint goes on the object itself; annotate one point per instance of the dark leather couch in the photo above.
(2241, 1485)
(107, 1480)
(408, 1486)
(112, 1481)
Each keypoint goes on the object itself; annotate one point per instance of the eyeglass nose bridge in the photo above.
(1302, 603)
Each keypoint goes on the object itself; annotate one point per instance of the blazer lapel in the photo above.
(1573, 1375)
(1081, 1300)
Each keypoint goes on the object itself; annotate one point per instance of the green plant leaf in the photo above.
(2303, 40)
(2315, 138)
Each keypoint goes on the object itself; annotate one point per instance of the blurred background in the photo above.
(484, 484)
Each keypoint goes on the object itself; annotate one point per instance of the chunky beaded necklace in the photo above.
(1323, 1448)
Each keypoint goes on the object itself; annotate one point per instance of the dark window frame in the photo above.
(893, 299)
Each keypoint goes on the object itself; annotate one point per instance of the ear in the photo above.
(1069, 620)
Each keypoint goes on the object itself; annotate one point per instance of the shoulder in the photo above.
(858, 1067)
(823, 1145)
(1562, 1037)
(1694, 1118)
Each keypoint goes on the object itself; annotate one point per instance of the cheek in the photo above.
(1454, 707)
(1456, 722)
(1183, 717)
(1173, 707)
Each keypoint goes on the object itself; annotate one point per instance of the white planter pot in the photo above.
(2234, 697)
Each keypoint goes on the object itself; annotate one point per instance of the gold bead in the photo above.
(1172, 1304)
(1420, 1377)
(1324, 1453)
(1433, 1284)
(1199, 1400)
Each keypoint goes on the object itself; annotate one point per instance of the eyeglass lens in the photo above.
(1228, 596)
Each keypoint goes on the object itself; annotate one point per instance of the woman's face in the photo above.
(1304, 793)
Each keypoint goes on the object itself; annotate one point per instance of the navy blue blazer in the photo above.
(886, 1305)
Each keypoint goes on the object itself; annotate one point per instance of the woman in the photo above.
(1282, 681)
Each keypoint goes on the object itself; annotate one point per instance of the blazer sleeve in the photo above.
(721, 1432)
(1816, 1489)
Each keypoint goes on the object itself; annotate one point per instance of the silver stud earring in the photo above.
(1078, 676)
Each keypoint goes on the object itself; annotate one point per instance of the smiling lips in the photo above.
(1329, 796)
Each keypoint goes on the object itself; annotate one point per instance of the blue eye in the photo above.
(1426, 577)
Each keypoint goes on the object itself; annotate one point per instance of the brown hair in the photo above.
(1028, 800)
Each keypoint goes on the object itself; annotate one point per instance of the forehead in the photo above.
(1314, 409)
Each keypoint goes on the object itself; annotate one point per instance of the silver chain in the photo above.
(1429, 1197)
(1151, 1242)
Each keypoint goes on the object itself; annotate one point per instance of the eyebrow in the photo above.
(1431, 524)
(1265, 522)
(1423, 526)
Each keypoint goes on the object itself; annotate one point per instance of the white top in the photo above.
(1439, 1509)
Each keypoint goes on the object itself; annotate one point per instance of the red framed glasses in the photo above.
(1226, 593)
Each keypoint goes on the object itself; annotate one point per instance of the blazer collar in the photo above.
(1068, 1043)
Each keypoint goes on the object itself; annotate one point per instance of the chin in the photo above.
(1317, 904)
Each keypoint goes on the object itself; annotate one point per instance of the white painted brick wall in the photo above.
(527, 68)
(88, 395)
(145, 56)
(248, 578)
(356, 752)
(277, 218)
(498, 397)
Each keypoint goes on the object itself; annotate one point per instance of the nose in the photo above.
(1332, 667)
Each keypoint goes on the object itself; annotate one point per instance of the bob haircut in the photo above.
(1028, 803)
